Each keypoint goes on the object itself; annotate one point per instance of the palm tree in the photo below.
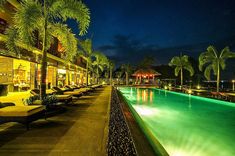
(119, 76)
(214, 61)
(86, 51)
(2, 2)
(127, 70)
(180, 63)
(99, 63)
(48, 18)
(110, 67)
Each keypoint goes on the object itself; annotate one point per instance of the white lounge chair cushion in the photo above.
(72, 93)
(14, 111)
(63, 97)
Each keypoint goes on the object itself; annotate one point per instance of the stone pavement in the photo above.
(81, 130)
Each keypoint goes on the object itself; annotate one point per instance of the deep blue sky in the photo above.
(160, 28)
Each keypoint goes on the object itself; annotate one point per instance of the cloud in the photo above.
(128, 49)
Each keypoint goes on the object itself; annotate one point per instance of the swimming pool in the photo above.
(185, 125)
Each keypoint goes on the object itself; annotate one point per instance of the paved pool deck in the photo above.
(81, 130)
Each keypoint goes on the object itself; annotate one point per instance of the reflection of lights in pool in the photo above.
(143, 110)
(179, 153)
(151, 96)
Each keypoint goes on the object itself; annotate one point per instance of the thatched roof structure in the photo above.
(146, 72)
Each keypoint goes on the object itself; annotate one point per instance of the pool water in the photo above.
(185, 125)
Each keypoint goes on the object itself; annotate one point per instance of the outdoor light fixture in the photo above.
(198, 87)
(189, 91)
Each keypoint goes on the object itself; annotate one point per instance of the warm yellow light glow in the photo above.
(198, 87)
(145, 110)
(179, 153)
(165, 87)
(62, 71)
(151, 96)
(190, 91)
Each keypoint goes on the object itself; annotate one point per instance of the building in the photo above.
(145, 76)
(21, 71)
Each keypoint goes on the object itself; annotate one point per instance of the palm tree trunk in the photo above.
(181, 75)
(44, 57)
(218, 79)
(87, 73)
(97, 80)
(110, 76)
(126, 78)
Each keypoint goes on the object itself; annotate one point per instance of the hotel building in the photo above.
(21, 71)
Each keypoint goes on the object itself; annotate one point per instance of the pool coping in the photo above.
(156, 146)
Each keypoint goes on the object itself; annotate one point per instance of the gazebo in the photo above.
(145, 74)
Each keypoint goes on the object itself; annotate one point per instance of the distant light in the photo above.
(165, 87)
(190, 91)
(198, 87)
(62, 71)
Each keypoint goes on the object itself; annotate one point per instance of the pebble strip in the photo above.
(120, 142)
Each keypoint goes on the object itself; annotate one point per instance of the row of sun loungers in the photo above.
(27, 114)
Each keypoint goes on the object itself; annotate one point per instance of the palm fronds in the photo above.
(72, 9)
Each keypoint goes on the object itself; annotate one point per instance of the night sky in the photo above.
(126, 30)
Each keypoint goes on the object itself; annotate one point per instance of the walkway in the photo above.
(81, 130)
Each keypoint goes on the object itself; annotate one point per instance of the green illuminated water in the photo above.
(185, 125)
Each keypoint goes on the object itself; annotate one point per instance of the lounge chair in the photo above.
(5, 104)
(22, 114)
(215, 94)
(95, 86)
(74, 87)
(80, 89)
(60, 98)
(224, 96)
(66, 92)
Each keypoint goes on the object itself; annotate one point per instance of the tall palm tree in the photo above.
(127, 69)
(180, 63)
(2, 2)
(48, 18)
(86, 51)
(99, 63)
(110, 67)
(214, 61)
